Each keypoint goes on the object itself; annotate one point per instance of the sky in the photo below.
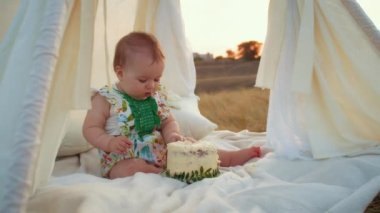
(214, 26)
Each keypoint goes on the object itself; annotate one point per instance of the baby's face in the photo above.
(141, 78)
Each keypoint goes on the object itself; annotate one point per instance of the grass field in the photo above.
(236, 110)
(228, 97)
(225, 76)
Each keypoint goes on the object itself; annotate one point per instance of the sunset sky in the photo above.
(215, 29)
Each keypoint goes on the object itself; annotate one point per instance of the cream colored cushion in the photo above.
(73, 141)
(191, 122)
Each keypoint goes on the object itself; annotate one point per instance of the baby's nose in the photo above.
(150, 85)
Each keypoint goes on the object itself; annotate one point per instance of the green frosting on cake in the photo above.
(194, 175)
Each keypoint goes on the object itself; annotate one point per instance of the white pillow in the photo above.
(186, 112)
(73, 142)
(191, 122)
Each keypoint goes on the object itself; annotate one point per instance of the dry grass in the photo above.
(237, 109)
(220, 76)
(225, 83)
(227, 96)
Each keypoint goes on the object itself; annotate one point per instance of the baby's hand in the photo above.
(119, 144)
(175, 136)
(192, 140)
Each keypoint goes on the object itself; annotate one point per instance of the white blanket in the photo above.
(265, 185)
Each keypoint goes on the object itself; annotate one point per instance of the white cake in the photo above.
(192, 161)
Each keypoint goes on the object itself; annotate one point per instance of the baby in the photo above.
(130, 122)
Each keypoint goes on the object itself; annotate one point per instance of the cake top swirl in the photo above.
(200, 147)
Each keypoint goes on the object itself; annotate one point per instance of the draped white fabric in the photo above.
(40, 73)
(322, 68)
(114, 19)
(164, 19)
(8, 11)
(284, 127)
(52, 52)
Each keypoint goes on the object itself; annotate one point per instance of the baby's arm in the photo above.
(93, 128)
(170, 130)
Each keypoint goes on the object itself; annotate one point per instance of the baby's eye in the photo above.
(142, 80)
(157, 80)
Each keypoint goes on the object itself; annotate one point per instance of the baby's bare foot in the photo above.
(239, 157)
(256, 151)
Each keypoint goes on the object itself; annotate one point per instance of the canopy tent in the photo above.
(321, 62)
(53, 52)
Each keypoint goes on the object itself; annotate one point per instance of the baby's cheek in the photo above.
(157, 87)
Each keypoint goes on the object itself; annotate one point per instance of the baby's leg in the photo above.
(239, 157)
(129, 167)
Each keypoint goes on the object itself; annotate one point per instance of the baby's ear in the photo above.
(119, 72)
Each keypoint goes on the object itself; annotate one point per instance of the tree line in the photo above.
(247, 51)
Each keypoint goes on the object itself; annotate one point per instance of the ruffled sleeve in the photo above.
(161, 97)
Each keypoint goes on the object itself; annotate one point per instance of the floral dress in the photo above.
(150, 147)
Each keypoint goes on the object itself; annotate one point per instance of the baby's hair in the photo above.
(131, 43)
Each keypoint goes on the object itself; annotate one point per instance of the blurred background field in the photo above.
(228, 96)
